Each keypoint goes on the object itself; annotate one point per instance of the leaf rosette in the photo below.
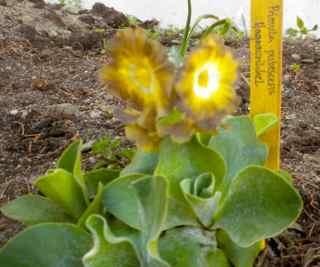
(196, 193)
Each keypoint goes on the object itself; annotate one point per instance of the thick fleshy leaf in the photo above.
(143, 162)
(94, 177)
(150, 210)
(240, 257)
(179, 213)
(186, 161)
(260, 204)
(201, 197)
(264, 122)
(238, 144)
(108, 250)
(217, 258)
(120, 199)
(182, 161)
(153, 194)
(204, 138)
(70, 161)
(34, 209)
(70, 158)
(95, 207)
(188, 247)
(44, 245)
(286, 176)
(61, 187)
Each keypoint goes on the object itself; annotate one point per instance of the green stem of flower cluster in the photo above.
(188, 31)
(184, 44)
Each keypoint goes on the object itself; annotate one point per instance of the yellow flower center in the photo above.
(142, 77)
(206, 81)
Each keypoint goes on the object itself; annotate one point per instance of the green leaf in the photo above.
(150, 204)
(94, 177)
(34, 209)
(188, 247)
(178, 162)
(240, 257)
(300, 23)
(217, 258)
(70, 158)
(179, 213)
(95, 207)
(204, 138)
(108, 250)
(142, 162)
(181, 161)
(292, 32)
(200, 196)
(174, 117)
(285, 175)
(153, 195)
(61, 187)
(238, 144)
(260, 204)
(44, 245)
(120, 199)
(70, 161)
(189, 160)
(264, 122)
(304, 31)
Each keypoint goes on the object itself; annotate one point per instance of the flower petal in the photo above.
(205, 87)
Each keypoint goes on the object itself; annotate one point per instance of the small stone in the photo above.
(308, 61)
(46, 53)
(87, 146)
(66, 110)
(39, 84)
(95, 114)
(286, 77)
(92, 160)
(291, 117)
(13, 112)
(24, 114)
(296, 57)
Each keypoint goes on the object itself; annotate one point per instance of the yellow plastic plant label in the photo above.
(266, 68)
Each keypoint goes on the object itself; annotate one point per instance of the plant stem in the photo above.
(195, 25)
(213, 26)
(184, 44)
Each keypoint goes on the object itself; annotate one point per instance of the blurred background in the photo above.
(174, 12)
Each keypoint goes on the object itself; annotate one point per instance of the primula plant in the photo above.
(196, 194)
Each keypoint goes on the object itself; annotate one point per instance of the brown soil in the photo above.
(49, 94)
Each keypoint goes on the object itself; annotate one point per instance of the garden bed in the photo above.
(49, 94)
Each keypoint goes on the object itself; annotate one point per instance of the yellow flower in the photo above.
(139, 72)
(205, 87)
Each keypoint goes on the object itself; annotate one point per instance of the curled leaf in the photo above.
(108, 250)
(200, 195)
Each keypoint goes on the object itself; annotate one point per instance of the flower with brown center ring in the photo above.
(205, 87)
